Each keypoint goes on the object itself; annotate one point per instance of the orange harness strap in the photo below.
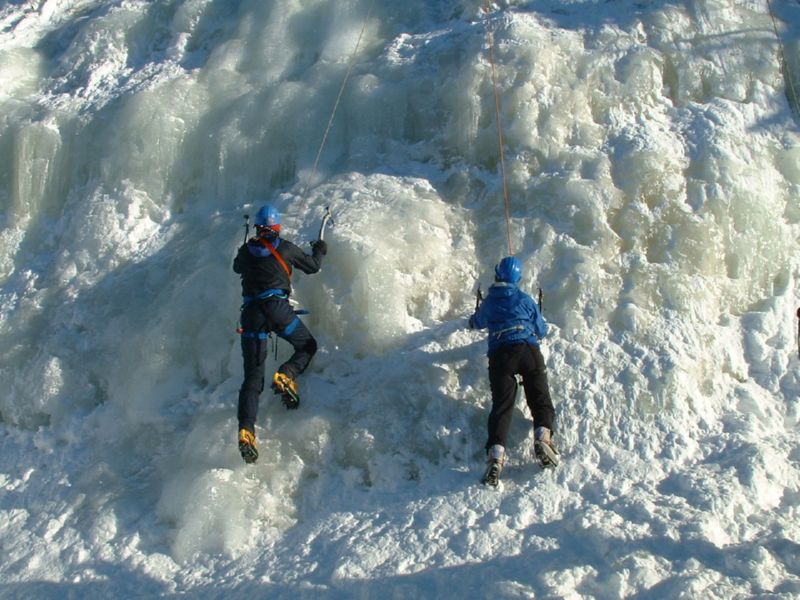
(277, 256)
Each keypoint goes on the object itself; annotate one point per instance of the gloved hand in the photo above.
(321, 246)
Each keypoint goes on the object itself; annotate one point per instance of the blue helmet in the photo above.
(268, 216)
(509, 270)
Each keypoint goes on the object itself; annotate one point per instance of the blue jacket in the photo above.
(511, 316)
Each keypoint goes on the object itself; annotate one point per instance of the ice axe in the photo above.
(246, 227)
(327, 217)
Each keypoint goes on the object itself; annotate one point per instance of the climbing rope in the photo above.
(798, 332)
(350, 66)
(490, 43)
(793, 101)
(782, 57)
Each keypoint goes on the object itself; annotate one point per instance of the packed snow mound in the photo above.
(652, 175)
(401, 259)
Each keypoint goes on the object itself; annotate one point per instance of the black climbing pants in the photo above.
(259, 318)
(505, 364)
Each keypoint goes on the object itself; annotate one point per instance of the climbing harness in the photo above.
(246, 300)
(266, 335)
(271, 293)
(490, 43)
(500, 333)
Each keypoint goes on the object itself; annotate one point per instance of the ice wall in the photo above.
(653, 177)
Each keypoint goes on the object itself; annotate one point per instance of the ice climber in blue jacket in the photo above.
(515, 327)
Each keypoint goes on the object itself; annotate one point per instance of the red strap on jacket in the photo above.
(277, 256)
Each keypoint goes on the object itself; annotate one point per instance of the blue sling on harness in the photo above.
(270, 293)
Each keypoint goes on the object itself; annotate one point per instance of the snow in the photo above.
(653, 168)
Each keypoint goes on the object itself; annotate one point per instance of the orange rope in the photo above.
(506, 204)
(782, 58)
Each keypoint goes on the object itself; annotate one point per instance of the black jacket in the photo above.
(261, 271)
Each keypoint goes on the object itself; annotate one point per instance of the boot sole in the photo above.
(248, 452)
(289, 398)
(290, 401)
(491, 477)
(545, 454)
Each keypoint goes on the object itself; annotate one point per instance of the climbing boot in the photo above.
(284, 385)
(495, 459)
(543, 447)
(247, 446)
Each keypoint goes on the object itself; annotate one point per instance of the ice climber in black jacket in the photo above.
(265, 263)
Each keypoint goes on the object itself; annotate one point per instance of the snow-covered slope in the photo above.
(653, 170)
